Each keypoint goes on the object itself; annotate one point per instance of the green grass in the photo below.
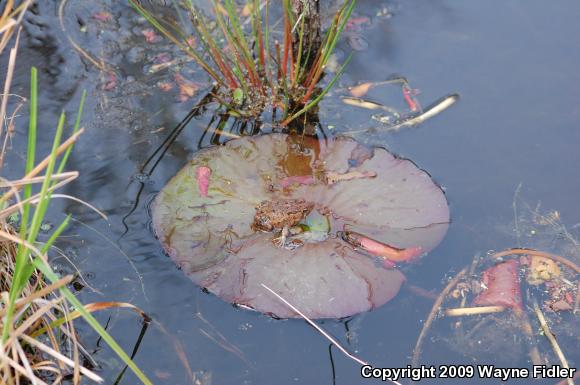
(30, 258)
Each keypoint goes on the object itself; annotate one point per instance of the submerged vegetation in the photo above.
(259, 73)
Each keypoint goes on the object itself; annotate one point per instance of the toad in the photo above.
(280, 214)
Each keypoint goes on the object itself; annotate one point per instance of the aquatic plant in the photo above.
(496, 319)
(321, 223)
(254, 73)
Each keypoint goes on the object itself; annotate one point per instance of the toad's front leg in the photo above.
(281, 240)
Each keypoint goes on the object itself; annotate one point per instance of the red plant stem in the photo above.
(313, 70)
(261, 60)
(316, 70)
(277, 45)
(413, 106)
(233, 84)
(251, 73)
(292, 64)
(278, 74)
(312, 85)
(262, 56)
(239, 56)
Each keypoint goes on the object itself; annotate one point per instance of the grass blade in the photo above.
(47, 271)
(75, 130)
(322, 94)
(184, 47)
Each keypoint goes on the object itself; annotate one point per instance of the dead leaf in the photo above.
(246, 10)
(541, 270)
(187, 88)
(111, 81)
(165, 86)
(221, 9)
(102, 16)
(161, 374)
(357, 42)
(360, 90)
(150, 35)
(560, 305)
(357, 23)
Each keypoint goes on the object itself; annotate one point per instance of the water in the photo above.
(516, 70)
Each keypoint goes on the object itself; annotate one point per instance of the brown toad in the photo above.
(280, 214)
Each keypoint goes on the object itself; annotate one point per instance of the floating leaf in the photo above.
(212, 238)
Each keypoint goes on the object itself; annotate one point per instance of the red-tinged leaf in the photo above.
(296, 180)
(357, 42)
(412, 102)
(150, 35)
(102, 16)
(165, 86)
(360, 90)
(162, 58)
(187, 88)
(502, 286)
(191, 42)
(389, 252)
(202, 175)
(111, 82)
(357, 23)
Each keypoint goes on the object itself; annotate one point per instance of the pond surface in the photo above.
(516, 67)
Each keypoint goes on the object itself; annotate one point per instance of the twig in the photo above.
(577, 302)
(527, 329)
(472, 268)
(61, 357)
(434, 109)
(16, 366)
(537, 253)
(8, 81)
(515, 210)
(565, 381)
(321, 331)
(433, 314)
(550, 336)
(462, 311)
(41, 293)
(101, 66)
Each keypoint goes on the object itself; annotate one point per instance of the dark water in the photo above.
(516, 67)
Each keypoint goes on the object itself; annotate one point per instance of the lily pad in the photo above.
(352, 187)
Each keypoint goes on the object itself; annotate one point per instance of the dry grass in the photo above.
(39, 344)
(38, 360)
